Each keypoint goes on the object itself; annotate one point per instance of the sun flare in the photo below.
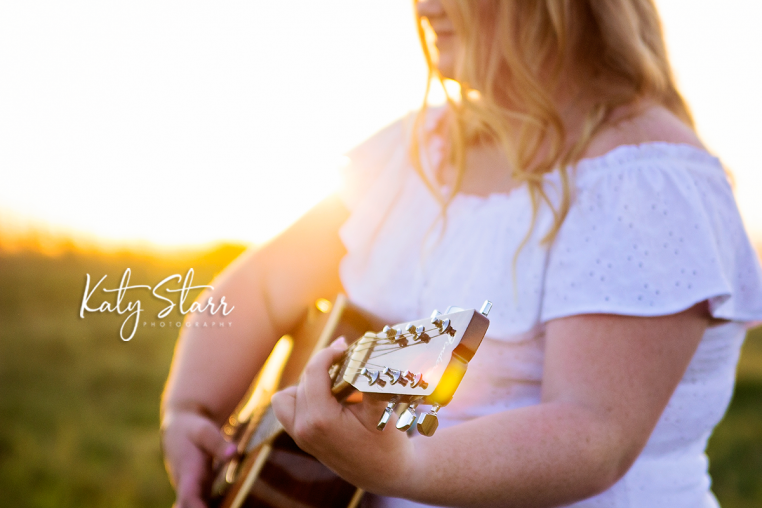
(143, 123)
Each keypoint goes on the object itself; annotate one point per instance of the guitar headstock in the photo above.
(420, 361)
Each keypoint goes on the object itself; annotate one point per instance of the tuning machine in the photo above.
(387, 413)
(428, 422)
(435, 318)
(444, 325)
(373, 377)
(395, 376)
(408, 417)
(393, 334)
(418, 382)
(418, 333)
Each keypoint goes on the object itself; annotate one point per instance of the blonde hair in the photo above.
(516, 54)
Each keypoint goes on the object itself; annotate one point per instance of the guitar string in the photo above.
(408, 334)
(385, 351)
(394, 345)
(372, 342)
(389, 350)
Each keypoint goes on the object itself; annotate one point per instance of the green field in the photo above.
(79, 407)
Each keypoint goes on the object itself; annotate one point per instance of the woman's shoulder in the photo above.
(653, 229)
(646, 144)
(636, 125)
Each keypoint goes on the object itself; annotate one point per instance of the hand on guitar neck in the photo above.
(317, 421)
(419, 362)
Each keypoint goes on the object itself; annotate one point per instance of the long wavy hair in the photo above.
(516, 54)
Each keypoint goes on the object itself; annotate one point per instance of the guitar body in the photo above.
(281, 475)
(271, 470)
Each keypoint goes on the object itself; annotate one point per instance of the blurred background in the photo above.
(163, 136)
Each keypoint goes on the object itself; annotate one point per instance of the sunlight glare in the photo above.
(180, 123)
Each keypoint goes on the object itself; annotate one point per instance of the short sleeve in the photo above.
(653, 230)
(372, 178)
(368, 165)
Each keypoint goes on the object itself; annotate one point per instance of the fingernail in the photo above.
(230, 450)
(340, 343)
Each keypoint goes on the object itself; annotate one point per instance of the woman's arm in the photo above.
(270, 287)
(606, 381)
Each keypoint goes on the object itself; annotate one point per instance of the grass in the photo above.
(79, 406)
(735, 449)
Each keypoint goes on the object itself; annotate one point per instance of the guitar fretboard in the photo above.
(268, 428)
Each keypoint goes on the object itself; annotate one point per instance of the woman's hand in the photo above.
(271, 288)
(344, 438)
(190, 442)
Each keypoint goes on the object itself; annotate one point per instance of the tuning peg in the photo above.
(372, 376)
(428, 422)
(420, 334)
(407, 418)
(486, 307)
(387, 413)
(404, 378)
(435, 318)
(389, 332)
(419, 382)
(444, 326)
(447, 327)
(394, 374)
(400, 339)
(412, 329)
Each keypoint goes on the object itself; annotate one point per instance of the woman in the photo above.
(565, 183)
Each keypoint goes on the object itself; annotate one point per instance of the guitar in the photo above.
(419, 362)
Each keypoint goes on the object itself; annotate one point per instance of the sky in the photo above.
(181, 123)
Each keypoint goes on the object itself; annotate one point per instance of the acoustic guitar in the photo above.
(412, 363)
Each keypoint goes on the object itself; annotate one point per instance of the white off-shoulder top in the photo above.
(653, 229)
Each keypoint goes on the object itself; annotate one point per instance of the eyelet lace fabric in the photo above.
(653, 229)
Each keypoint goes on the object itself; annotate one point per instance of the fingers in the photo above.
(189, 442)
(207, 437)
(284, 407)
(303, 409)
(189, 486)
(316, 382)
(340, 343)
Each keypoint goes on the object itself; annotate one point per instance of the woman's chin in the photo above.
(446, 68)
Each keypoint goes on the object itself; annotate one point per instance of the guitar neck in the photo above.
(267, 429)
